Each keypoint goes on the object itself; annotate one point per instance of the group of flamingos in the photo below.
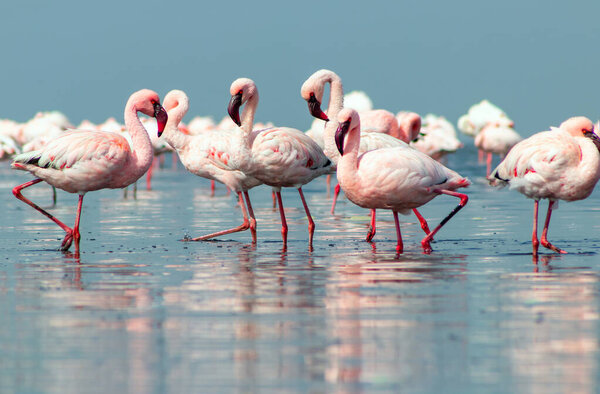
(378, 157)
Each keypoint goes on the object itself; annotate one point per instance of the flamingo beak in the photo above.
(314, 107)
(161, 117)
(593, 136)
(340, 134)
(234, 108)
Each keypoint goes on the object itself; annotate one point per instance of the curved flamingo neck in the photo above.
(336, 96)
(172, 134)
(348, 163)
(352, 143)
(248, 114)
(142, 154)
(336, 103)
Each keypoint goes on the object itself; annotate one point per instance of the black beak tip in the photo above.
(233, 109)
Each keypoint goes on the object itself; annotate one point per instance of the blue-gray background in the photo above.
(537, 60)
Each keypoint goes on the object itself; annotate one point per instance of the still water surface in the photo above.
(138, 311)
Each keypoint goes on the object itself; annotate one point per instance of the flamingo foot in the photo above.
(370, 234)
(67, 241)
(548, 245)
(426, 245)
(242, 227)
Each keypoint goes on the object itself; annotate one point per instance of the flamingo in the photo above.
(409, 125)
(496, 138)
(277, 156)
(399, 178)
(80, 161)
(210, 155)
(436, 138)
(312, 91)
(560, 164)
(478, 116)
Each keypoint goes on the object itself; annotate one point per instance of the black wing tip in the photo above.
(499, 177)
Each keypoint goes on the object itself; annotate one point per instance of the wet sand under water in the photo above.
(139, 311)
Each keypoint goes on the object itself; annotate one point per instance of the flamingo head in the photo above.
(147, 102)
(348, 120)
(410, 124)
(242, 89)
(312, 91)
(581, 126)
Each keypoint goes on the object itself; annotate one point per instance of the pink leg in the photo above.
(372, 227)
(212, 188)
(284, 226)
(241, 227)
(544, 239)
(534, 239)
(336, 193)
(425, 243)
(17, 192)
(422, 221)
(311, 223)
(252, 218)
(328, 183)
(149, 175)
(161, 161)
(479, 156)
(76, 234)
(488, 164)
(274, 199)
(399, 246)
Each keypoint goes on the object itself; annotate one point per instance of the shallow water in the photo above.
(139, 311)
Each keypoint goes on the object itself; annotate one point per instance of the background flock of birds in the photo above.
(382, 160)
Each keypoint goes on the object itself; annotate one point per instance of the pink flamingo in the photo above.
(399, 178)
(496, 138)
(277, 156)
(209, 155)
(409, 125)
(480, 115)
(436, 138)
(80, 161)
(312, 91)
(560, 164)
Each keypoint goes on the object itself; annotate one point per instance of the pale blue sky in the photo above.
(538, 61)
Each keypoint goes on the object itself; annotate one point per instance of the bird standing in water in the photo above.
(560, 164)
(399, 178)
(80, 161)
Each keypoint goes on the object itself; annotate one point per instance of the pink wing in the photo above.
(76, 148)
(544, 155)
